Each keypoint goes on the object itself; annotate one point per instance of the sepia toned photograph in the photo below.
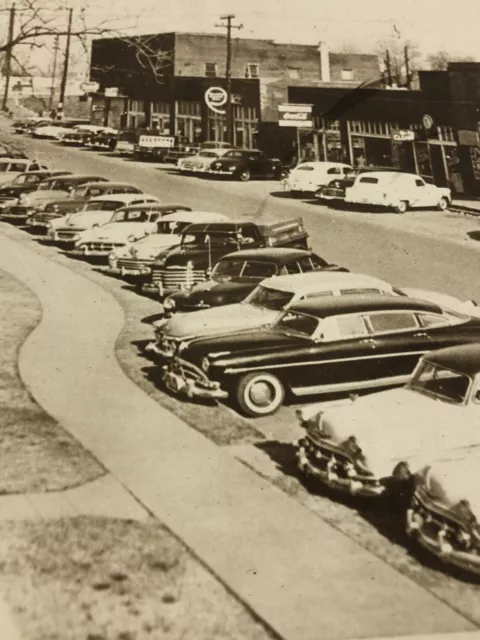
(239, 320)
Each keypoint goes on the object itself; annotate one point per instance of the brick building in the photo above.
(160, 81)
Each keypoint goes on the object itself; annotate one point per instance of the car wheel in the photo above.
(401, 207)
(443, 204)
(244, 176)
(259, 394)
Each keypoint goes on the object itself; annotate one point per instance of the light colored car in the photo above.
(445, 509)
(307, 177)
(11, 168)
(136, 259)
(397, 191)
(126, 226)
(51, 132)
(375, 443)
(200, 163)
(272, 296)
(97, 211)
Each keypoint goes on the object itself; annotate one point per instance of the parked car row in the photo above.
(251, 315)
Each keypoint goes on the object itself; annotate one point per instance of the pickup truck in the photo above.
(203, 244)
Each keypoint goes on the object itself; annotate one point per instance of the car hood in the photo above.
(151, 246)
(230, 318)
(119, 230)
(86, 219)
(450, 481)
(216, 293)
(37, 197)
(399, 425)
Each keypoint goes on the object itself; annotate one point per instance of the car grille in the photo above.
(132, 263)
(323, 457)
(43, 218)
(5, 197)
(334, 192)
(66, 235)
(101, 246)
(173, 278)
(435, 521)
(18, 210)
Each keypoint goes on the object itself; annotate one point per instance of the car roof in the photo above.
(324, 280)
(156, 206)
(121, 197)
(188, 216)
(394, 175)
(339, 305)
(80, 176)
(278, 255)
(108, 185)
(321, 164)
(463, 358)
(12, 159)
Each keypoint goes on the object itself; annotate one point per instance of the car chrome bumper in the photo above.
(354, 485)
(437, 545)
(86, 253)
(220, 173)
(194, 388)
(124, 271)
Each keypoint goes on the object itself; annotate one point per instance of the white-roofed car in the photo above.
(50, 131)
(398, 191)
(201, 162)
(11, 168)
(374, 444)
(126, 226)
(66, 231)
(263, 305)
(135, 260)
(307, 177)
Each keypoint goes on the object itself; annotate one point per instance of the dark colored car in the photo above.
(237, 274)
(244, 164)
(330, 345)
(101, 140)
(204, 244)
(24, 183)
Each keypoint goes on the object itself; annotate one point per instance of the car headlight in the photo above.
(232, 167)
(205, 365)
(169, 304)
(182, 346)
(76, 237)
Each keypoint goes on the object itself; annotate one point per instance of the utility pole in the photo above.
(65, 63)
(407, 68)
(54, 72)
(7, 69)
(228, 72)
(388, 64)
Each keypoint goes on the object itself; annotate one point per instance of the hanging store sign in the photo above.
(111, 92)
(90, 87)
(295, 115)
(216, 98)
(403, 135)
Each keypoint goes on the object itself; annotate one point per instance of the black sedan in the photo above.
(330, 345)
(237, 274)
(244, 164)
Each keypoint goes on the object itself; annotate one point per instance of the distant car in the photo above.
(397, 191)
(321, 346)
(50, 131)
(201, 162)
(67, 231)
(79, 135)
(309, 176)
(334, 191)
(237, 274)
(24, 183)
(244, 164)
(135, 260)
(375, 444)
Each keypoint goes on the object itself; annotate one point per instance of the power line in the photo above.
(228, 71)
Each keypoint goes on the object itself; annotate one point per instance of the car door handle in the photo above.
(370, 341)
(421, 334)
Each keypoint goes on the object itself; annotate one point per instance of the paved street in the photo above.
(408, 250)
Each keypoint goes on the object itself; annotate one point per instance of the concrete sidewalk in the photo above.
(471, 207)
(302, 577)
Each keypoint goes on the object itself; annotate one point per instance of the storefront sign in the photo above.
(111, 92)
(216, 97)
(90, 87)
(295, 115)
(403, 135)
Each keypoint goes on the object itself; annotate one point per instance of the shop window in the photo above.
(211, 69)
(348, 74)
(294, 73)
(252, 70)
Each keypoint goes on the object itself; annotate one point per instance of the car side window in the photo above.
(386, 322)
(431, 320)
(334, 170)
(419, 182)
(351, 327)
(361, 290)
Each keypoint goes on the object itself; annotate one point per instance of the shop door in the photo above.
(438, 166)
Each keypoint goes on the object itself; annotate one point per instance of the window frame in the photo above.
(213, 73)
(248, 70)
(373, 332)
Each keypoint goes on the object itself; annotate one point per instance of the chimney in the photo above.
(324, 62)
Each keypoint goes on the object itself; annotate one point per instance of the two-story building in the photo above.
(160, 81)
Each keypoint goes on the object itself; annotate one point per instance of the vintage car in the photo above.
(244, 164)
(335, 190)
(135, 261)
(24, 183)
(321, 346)
(307, 177)
(126, 226)
(237, 274)
(39, 220)
(375, 444)
(202, 161)
(50, 131)
(103, 140)
(51, 190)
(11, 168)
(66, 231)
(398, 191)
(271, 297)
(78, 136)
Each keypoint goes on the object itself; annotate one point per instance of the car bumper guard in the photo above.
(185, 379)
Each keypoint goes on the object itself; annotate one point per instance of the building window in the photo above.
(252, 70)
(348, 74)
(294, 73)
(211, 69)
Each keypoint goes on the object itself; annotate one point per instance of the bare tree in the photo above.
(440, 60)
(400, 59)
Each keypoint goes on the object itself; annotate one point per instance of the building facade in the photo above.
(160, 81)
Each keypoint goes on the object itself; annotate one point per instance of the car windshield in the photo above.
(440, 383)
(208, 154)
(206, 238)
(269, 298)
(235, 154)
(25, 178)
(298, 323)
(131, 216)
(240, 269)
(103, 205)
(169, 227)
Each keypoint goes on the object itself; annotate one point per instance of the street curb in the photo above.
(467, 211)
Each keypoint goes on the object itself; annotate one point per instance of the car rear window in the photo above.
(361, 290)
(304, 168)
(397, 321)
(367, 180)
